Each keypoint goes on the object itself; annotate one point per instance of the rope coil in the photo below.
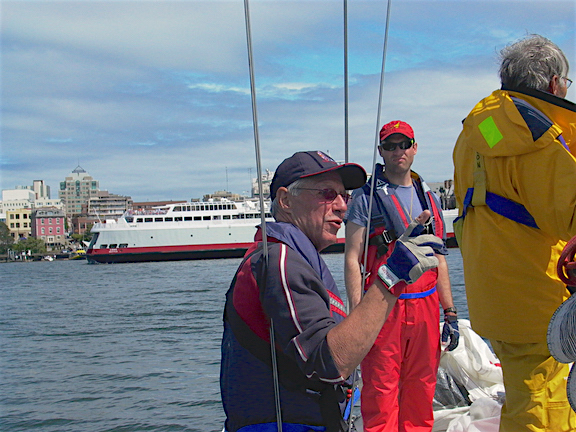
(566, 267)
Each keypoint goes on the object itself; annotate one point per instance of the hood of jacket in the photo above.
(506, 124)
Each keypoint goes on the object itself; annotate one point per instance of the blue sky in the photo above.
(152, 98)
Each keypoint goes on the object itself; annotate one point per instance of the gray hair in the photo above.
(294, 190)
(532, 62)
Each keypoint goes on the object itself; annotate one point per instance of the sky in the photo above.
(152, 98)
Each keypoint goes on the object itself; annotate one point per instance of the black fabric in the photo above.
(537, 122)
(289, 374)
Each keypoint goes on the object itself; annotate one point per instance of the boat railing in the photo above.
(146, 212)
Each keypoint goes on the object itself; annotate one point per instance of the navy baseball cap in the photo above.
(311, 163)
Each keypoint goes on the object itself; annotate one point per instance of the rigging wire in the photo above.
(377, 136)
(372, 183)
(345, 81)
(262, 209)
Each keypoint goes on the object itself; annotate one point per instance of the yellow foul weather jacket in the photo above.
(510, 143)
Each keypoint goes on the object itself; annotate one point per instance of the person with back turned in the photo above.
(515, 184)
(317, 346)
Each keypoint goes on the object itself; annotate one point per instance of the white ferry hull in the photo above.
(188, 231)
(180, 232)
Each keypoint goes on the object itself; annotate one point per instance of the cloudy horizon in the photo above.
(152, 98)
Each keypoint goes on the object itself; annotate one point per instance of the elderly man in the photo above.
(515, 182)
(291, 290)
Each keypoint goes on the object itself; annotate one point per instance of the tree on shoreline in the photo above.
(6, 240)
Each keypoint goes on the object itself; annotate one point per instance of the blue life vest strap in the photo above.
(418, 294)
(503, 206)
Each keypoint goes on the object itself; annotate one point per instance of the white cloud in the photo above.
(153, 98)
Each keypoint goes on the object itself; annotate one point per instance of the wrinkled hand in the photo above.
(450, 331)
(411, 257)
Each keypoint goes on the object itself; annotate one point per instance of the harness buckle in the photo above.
(381, 241)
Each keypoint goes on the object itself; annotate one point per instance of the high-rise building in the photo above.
(76, 190)
(41, 189)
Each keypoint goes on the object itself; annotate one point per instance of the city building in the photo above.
(15, 199)
(81, 224)
(76, 190)
(41, 189)
(106, 205)
(48, 224)
(18, 222)
(266, 181)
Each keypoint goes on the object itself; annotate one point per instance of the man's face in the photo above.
(314, 214)
(398, 160)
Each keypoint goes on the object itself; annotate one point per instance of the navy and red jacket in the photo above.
(299, 294)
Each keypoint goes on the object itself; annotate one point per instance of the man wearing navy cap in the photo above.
(290, 289)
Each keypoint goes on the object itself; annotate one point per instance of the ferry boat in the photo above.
(218, 228)
(186, 231)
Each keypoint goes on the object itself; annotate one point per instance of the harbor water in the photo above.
(123, 347)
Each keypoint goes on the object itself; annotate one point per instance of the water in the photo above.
(126, 347)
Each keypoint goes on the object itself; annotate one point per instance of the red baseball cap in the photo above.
(396, 126)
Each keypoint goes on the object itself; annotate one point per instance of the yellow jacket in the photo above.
(509, 268)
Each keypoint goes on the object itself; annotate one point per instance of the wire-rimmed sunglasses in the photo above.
(329, 195)
(391, 146)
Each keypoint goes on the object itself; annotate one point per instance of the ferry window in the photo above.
(187, 218)
(129, 219)
(235, 217)
(205, 217)
(178, 219)
(123, 245)
(211, 207)
(216, 217)
(158, 219)
(168, 219)
(103, 246)
(226, 217)
(220, 207)
(178, 208)
(268, 215)
(139, 220)
(147, 219)
(197, 218)
(113, 246)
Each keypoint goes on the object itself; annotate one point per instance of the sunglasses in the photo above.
(391, 146)
(329, 195)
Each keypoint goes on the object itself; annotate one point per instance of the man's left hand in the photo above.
(450, 330)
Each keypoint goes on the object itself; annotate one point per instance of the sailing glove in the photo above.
(411, 257)
(450, 331)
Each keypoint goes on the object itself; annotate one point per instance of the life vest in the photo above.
(257, 340)
(390, 219)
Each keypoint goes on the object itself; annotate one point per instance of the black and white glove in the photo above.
(411, 257)
(450, 332)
